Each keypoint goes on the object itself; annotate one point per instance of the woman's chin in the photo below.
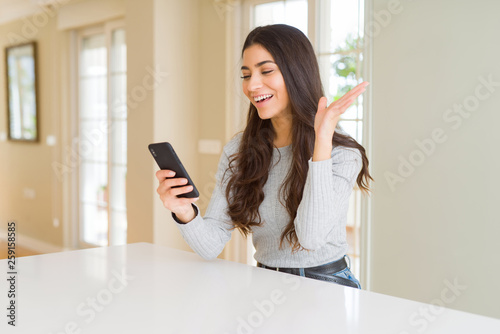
(263, 114)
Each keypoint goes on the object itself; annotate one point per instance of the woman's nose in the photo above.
(254, 83)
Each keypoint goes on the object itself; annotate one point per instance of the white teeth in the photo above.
(261, 97)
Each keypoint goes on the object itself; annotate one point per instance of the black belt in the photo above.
(324, 272)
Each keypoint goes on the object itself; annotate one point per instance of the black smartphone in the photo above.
(166, 158)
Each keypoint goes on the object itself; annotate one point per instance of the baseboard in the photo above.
(33, 244)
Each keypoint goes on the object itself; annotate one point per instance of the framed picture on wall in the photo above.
(22, 100)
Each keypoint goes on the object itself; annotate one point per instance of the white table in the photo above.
(172, 291)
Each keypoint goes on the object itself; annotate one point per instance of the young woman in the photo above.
(288, 177)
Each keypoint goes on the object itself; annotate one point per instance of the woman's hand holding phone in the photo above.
(168, 190)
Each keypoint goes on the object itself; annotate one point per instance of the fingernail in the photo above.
(171, 173)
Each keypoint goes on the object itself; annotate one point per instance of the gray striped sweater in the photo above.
(321, 216)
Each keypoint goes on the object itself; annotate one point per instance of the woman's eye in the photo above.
(245, 77)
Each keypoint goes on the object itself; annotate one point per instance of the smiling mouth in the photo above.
(263, 98)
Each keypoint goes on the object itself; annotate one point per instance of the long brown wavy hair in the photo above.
(249, 167)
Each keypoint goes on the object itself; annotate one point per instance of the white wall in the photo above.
(438, 223)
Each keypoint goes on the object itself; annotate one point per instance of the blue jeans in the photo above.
(344, 273)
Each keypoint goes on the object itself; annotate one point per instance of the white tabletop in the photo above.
(172, 291)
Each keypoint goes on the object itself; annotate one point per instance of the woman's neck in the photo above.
(283, 129)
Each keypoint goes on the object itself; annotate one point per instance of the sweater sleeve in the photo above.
(208, 235)
(325, 199)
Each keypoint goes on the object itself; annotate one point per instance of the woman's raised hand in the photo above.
(168, 195)
(327, 117)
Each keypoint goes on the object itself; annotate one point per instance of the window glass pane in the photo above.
(93, 56)
(94, 183)
(119, 77)
(119, 95)
(93, 97)
(119, 227)
(119, 135)
(118, 235)
(118, 60)
(95, 229)
(359, 137)
(341, 24)
(353, 128)
(118, 206)
(361, 20)
(94, 140)
(94, 202)
(349, 127)
(269, 13)
(291, 12)
(118, 193)
(339, 74)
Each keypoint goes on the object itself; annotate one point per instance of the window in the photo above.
(102, 134)
(291, 12)
(337, 35)
(340, 55)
